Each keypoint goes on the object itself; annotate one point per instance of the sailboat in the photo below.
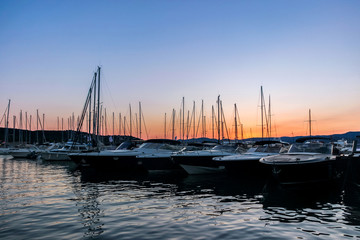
(4, 149)
(201, 161)
(248, 163)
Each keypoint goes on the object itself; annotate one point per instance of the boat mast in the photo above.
(183, 118)
(180, 124)
(124, 125)
(269, 117)
(140, 120)
(218, 102)
(202, 119)
(165, 127)
(236, 130)
(222, 120)
(30, 129)
(89, 118)
(120, 124)
(310, 122)
(130, 121)
(14, 117)
(98, 108)
(7, 123)
(43, 128)
(212, 122)
(26, 135)
(113, 127)
(20, 127)
(94, 109)
(187, 125)
(194, 120)
(37, 125)
(173, 124)
(62, 128)
(262, 111)
(105, 123)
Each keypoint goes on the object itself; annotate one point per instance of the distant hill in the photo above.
(58, 136)
(349, 136)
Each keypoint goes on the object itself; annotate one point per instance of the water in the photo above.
(40, 200)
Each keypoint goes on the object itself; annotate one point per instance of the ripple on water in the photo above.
(54, 201)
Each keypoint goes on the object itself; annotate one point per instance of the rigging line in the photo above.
(2, 118)
(198, 125)
(143, 118)
(227, 133)
(190, 124)
(107, 88)
(84, 112)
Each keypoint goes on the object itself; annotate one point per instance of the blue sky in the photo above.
(306, 54)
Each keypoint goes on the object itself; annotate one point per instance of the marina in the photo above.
(179, 120)
(254, 188)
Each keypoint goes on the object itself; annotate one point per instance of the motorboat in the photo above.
(309, 161)
(248, 162)
(61, 153)
(4, 150)
(24, 151)
(200, 161)
(161, 158)
(126, 159)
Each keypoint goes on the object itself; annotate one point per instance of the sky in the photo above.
(305, 54)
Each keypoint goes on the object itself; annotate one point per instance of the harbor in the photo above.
(234, 187)
(179, 120)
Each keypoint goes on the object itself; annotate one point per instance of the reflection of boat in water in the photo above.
(180, 184)
(306, 162)
(248, 162)
(221, 185)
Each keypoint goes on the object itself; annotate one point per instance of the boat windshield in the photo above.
(269, 148)
(225, 148)
(313, 147)
(171, 147)
(151, 145)
(125, 145)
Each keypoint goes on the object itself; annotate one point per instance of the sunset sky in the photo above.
(305, 54)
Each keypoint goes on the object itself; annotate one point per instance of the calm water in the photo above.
(40, 200)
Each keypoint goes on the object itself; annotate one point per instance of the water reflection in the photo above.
(109, 205)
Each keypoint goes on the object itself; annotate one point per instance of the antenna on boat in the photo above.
(310, 120)
(165, 127)
(218, 102)
(140, 120)
(236, 129)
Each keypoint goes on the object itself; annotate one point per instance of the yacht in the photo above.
(24, 151)
(57, 152)
(201, 161)
(308, 161)
(127, 159)
(248, 162)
